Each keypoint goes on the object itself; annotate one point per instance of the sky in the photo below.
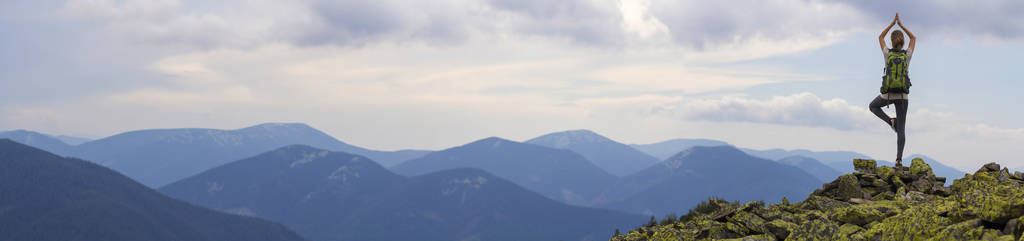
(432, 74)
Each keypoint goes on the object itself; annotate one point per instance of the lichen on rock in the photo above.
(874, 203)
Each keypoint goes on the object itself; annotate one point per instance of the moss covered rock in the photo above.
(876, 203)
(919, 168)
(864, 166)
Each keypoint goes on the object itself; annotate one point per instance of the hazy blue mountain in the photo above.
(837, 160)
(38, 140)
(555, 173)
(664, 150)
(47, 197)
(840, 160)
(615, 158)
(694, 175)
(73, 140)
(334, 196)
(813, 167)
(938, 168)
(159, 157)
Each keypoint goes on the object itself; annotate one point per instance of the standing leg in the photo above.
(876, 108)
(901, 127)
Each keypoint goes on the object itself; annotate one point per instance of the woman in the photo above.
(895, 84)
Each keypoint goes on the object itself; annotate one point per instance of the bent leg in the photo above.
(876, 108)
(901, 126)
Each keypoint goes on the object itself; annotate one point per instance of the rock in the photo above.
(759, 237)
(861, 215)
(919, 168)
(906, 203)
(912, 223)
(780, 229)
(751, 222)
(966, 230)
(861, 201)
(1014, 227)
(1003, 175)
(864, 166)
(1018, 175)
(982, 195)
(823, 204)
(815, 229)
(888, 195)
(885, 172)
(847, 230)
(846, 187)
(990, 167)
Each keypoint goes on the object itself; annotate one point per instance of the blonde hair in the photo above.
(897, 39)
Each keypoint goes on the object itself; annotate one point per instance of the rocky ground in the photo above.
(874, 203)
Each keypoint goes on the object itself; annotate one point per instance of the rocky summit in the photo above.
(873, 203)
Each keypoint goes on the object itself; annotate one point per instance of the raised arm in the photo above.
(881, 37)
(913, 39)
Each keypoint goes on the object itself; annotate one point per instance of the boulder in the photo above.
(919, 168)
(864, 165)
(990, 167)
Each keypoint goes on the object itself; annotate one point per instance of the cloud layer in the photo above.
(402, 74)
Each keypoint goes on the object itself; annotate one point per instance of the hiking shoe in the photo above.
(899, 163)
(892, 123)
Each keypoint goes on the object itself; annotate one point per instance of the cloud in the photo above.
(728, 24)
(803, 109)
(999, 19)
(586, 21)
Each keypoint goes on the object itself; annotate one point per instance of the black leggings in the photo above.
(901, 119)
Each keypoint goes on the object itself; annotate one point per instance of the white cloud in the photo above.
(803, 109)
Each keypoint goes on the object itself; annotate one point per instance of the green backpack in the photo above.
(896, 79)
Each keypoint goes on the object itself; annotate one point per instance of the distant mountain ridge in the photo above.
(47, 197)
(38, 140)
(665, 149)
(335, 196)
(614, 157)
(702, 172)
(555, 173)
(812, 166)
(839, 161)
(159, 156)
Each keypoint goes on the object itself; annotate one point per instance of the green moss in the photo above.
(781, 229)
(885, 172)
(966, 230)
(847, 187)
(847, 230)
(815, 229)
(977, 207)
(1004, 238)
(911, 224)
(864, 165)
(750, 223)
(887, 195)
(919, 168)
(822, 204)
(863, 214)
(981, 195)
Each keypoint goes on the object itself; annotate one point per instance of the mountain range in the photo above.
(700, 173)
(812, 166)
(665, 149)
(339, 196)
(48, 197)
(838, 161)
(160, 156)
(614, 157)
(558, 174)
(38, 140)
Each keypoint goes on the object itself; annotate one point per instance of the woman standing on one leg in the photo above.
(895, 84)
